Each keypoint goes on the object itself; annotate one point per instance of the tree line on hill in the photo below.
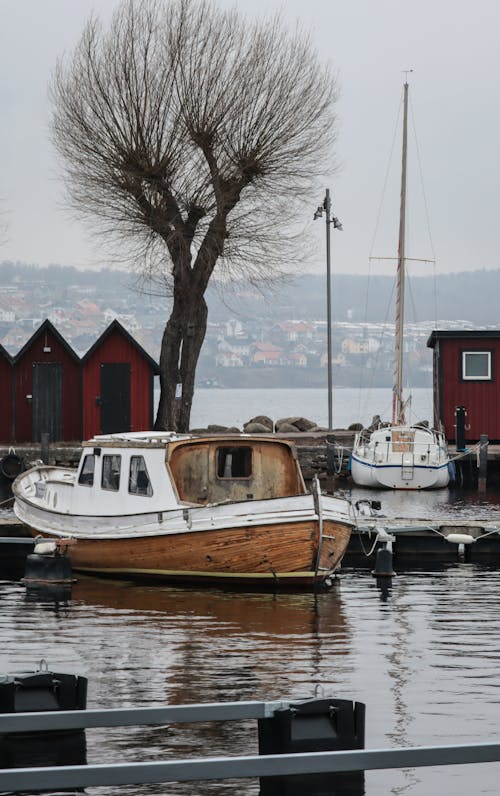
(470, 295)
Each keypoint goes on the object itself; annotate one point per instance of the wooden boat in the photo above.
(230, 509)
(400, 456)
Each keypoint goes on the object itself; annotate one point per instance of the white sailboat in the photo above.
(399, 455)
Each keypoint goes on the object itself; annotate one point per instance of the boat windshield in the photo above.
(139, 482)
(111, 466)
(86, 476)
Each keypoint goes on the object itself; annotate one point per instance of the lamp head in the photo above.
(318, 213)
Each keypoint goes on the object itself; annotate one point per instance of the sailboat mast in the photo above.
(397, 398)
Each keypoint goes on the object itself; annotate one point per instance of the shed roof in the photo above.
(454, 334)
(5, 354)
(117, 326)
(45, 327)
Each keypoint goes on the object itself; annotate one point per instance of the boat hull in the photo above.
(230, 509)
(292, 547)
(391, 476)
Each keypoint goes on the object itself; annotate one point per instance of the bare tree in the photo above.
(194, 135)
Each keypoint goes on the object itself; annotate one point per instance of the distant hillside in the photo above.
(472, 296)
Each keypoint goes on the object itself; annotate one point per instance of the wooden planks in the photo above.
(260, 552)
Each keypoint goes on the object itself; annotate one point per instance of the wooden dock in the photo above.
(421, 542)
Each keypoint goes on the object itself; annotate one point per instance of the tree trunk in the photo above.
(180, 349)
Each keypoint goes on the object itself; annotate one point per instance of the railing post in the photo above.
(314, 726)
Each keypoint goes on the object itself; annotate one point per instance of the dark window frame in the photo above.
(241, 469)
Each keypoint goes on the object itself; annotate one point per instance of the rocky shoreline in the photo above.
(262, 424)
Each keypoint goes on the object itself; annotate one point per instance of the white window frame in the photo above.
(466, 354)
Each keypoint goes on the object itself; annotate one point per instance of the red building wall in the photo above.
(5, 397)
(116, 346)
(34, 352)
(481, 399)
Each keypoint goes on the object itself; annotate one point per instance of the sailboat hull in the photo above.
(400, 457)
(391, 476)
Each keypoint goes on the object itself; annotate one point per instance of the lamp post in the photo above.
(326, 208)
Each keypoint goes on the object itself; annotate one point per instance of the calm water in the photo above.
(349, 405)
(425, 659)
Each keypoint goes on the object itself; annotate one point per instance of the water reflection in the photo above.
(244, 636)
(52, 595)
(434, 504)
(215, 646)
(423, 654)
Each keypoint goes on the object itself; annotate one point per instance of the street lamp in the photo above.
(326, 208)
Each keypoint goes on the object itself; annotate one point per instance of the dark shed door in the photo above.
(47, 400)
(115, 397)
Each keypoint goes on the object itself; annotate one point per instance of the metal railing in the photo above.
(184, 770)
(424, 451)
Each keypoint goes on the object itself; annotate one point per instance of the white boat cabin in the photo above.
(147, 472)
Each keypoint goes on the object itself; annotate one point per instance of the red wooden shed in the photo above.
(47, 388)
(117, 384)
(6, 397)
(467, 374)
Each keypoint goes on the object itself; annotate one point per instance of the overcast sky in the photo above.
(452, 46)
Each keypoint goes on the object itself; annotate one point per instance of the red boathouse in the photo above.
(466, 373)
(117, 384)
(46, 393)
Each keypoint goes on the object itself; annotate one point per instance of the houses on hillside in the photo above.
(301, 344)
(292, 346)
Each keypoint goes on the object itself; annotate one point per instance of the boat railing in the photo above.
(210, 768)
(421, 451)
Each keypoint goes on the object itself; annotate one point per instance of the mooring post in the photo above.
(330, 464)
(483, 463)
(460, 415)
(44, 437)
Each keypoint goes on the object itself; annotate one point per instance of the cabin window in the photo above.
(110, 479)
(86, 476)
(138, 481)
(476, 365)
(234, 462)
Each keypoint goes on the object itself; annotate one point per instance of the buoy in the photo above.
(383, 563)
(383, 556)
(49, 562)
(460, 538)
